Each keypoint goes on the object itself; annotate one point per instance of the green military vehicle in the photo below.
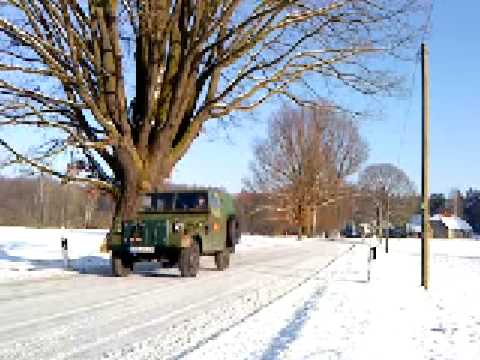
(177, 227)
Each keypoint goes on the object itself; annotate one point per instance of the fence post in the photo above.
(64, 244)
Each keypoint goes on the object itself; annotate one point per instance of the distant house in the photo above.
(450, 227)
(443, 227)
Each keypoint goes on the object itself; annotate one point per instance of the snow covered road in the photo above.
(156, 314)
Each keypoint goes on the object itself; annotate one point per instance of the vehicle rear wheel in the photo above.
(232, 233)
(189, 262)
(120, 267)
(222, 259)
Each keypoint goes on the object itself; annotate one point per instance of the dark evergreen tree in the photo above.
(437, 203)
(472, 209)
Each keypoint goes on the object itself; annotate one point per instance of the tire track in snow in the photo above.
(58, 336)
(176, 347)
(276, 326)
(129, 296)
(251, 285)
(290, 332)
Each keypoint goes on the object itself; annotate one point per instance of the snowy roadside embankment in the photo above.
(392, 317)
(36, 253)
(275, 329)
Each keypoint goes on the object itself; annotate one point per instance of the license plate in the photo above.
(142, 249)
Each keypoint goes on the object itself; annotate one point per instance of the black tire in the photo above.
(227, 258)
(189, 261)
(120, 267)
(222, 259)
(232, 233)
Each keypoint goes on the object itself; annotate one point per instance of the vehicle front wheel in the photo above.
(189, 262)
(119, 266)
(222, 259)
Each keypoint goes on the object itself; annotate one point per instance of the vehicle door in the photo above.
(216, 228)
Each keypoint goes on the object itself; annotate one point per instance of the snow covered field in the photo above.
(27, 253)
(281, 299)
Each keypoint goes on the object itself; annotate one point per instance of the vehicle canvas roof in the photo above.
(186, 188)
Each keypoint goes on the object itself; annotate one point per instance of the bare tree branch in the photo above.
(193, 61)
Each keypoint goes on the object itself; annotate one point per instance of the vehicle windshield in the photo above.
(178, 201)
(133, 230)
(162, 202)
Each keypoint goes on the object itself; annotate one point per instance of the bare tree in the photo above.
(259, 213)
(305, 158)
(65, 69)
(389, 188)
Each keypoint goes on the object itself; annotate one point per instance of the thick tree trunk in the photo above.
(134, 182)
(128, 200)
(128, 203)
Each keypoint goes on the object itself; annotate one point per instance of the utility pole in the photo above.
(425, 168)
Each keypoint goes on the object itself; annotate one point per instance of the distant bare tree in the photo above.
(438, 203)
(305, 158)
(389, 188)
(260, 213)
(403, 207)
(65, 68)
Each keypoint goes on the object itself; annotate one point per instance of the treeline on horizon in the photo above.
(45, 202)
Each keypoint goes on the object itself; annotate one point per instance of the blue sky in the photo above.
(393, 137)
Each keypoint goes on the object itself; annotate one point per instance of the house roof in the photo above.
(452, 222)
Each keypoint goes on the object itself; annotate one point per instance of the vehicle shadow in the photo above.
(208, 269)
(158, 275)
